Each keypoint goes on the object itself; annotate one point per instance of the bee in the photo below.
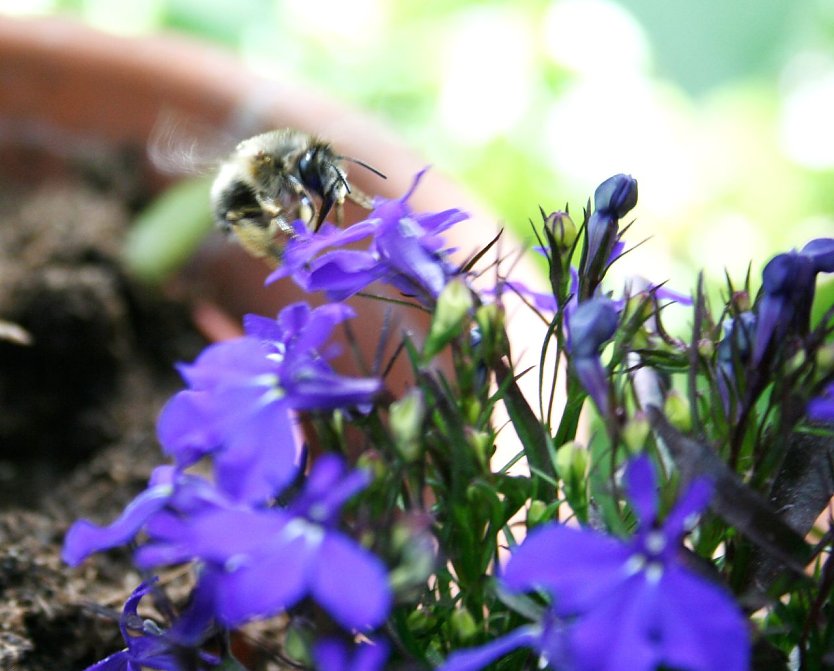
(274, 178)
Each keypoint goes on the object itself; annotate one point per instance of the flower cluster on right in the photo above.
(674, 512)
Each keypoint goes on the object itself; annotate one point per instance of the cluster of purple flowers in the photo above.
(256, 558)
(264, 535)
(631, 605)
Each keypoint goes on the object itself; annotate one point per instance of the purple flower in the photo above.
(788, 285)
(405, 250)
(734, 349)
(590, 326)
(613, 199)
(255, 562)
(821, 409)
(243, 392)
(148, 647)
(628, 605)
(335, 655)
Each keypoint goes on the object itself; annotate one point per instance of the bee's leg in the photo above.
(258, 238)
(307, 210)
(363, 200)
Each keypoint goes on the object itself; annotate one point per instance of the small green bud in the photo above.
(483, 445)
(406, 421)
(536, 513)
(370, 460)
(676, 409)
(490, 321)
(706, 348)
(562, 231)
(796, 361)
(419, 621)
(825, 358)
(463, 625)
(298, 642)
(572, 461)
(635, 433)
(453, 307)
(741, 301)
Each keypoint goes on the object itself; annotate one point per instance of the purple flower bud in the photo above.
(788, 285)
(589, 326)
(616, 195)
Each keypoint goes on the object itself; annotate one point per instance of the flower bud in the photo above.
(741, 301)
(635, 433)
(298, 642)
(706, 348)
(419, 622)
(825, 358)
(453, 307)
(490, 321)
(406, 421)
(463, 625)
(572, 461)
(616, 195)
(676, 409)
(536, 513)
(590, 325)
(561, 231)
(483, 445)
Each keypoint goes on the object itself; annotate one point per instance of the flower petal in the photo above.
(84, 538)
(577, 567)
(351, 583)
(642, 489)
(477, 658)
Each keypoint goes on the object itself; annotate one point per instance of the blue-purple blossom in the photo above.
(336, 655)
(405, 250)
(243, 393)
(613, 199)
(735, 349)
(255, 562)
(589, 327)
(149, 647)
(788, 286)
(617, 605)
(821, 409)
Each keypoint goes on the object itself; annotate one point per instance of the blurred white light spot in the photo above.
(601, 127)
(356, 22)
(807, 110)
(594, 37)
(487, 75)
(24, 7)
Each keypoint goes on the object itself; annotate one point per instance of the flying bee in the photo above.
(272, 179)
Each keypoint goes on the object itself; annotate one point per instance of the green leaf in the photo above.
(168, 231)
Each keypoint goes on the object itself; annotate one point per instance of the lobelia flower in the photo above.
(589, 326)
(613, 199)
(821, 409)
(148, 647)
(335, 655)
(735, 347)
(255, 562)
(243, 394)
(788, 285)
(406, 251)
(617, 605)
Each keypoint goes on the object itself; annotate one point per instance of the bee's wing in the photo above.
(178, 145)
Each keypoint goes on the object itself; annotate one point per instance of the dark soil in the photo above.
(86, 363)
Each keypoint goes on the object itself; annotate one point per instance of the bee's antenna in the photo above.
(363, 164)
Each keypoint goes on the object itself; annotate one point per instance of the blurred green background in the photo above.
(722, 110)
